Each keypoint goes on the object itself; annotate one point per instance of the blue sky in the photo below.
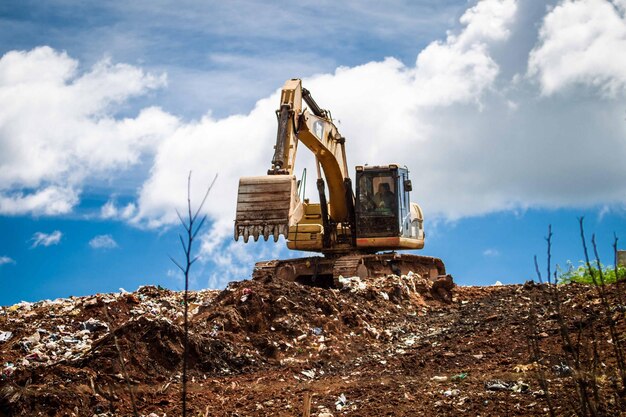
(510, 115)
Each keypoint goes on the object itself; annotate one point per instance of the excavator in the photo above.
(357, 230)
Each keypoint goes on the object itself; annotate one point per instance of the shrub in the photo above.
(581, 274)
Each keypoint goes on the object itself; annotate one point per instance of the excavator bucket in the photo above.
(266, 206)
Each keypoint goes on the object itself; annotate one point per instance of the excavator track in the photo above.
(346, 266)
(264, 270)
(326, 271)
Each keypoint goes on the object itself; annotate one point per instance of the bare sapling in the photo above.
(192, 227)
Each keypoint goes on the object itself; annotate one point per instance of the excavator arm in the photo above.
(268, 205)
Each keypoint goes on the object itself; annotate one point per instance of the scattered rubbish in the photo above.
(410, 340)
(309, 373)
(32, 339)
(354, 284)
(409, 353)
(499, 385)
(452, 392)
(93, 325)
(520, 386)
(341, 402)
(8, 370)
(523, 368)
(562, 369)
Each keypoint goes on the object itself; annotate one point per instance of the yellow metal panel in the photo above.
(393, 242)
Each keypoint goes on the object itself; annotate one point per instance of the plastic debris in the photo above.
(354, 284)
(341, 402)
(562, 369)
(520, 386)
(452, 392)
(94, 325)
(5, 336)
(499, 385)
(8, 370)
(309, 373)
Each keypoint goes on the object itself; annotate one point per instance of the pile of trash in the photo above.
(373, 347)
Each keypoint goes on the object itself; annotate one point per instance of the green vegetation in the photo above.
(581, 274)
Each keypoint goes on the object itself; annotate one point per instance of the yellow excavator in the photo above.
(350, 228)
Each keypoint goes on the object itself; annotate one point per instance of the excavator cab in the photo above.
(384, 214)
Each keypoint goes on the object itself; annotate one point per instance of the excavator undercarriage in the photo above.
(326, 271)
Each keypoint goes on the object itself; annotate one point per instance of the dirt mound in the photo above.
(381, 347)
(162, 342)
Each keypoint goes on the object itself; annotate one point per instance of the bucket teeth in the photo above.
(255, 231)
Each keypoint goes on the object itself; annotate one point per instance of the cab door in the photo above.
(404, 203)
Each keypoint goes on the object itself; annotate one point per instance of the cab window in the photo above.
(377, 194)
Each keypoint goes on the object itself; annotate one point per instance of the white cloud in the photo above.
(103, 242)
(46, 239)
(582, 42)
(110, 210)
(57, 127)
(491, 252)
(51, 200)
(4, 260)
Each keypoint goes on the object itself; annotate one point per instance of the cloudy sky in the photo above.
(511, 116)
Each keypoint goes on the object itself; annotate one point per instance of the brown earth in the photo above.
(374, 349)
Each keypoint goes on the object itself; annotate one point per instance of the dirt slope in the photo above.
(370, 349)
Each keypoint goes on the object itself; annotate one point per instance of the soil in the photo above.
(262, 348)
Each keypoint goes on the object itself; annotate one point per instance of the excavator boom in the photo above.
(268, 205)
